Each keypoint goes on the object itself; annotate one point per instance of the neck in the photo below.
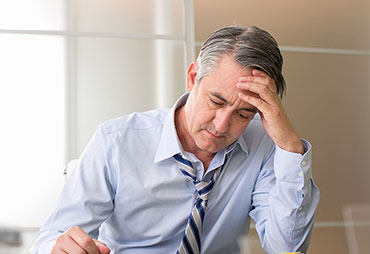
(187, 141)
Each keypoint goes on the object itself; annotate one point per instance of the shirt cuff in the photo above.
(293, 167)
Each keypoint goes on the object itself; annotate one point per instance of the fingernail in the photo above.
(242, 78)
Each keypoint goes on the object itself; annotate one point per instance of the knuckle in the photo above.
(61, 237)
(86, 241)
(71, 230)
(259, 102)
(264, 89)
(74, 228)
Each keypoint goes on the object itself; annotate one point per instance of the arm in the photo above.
(260, 91)
(285, 197)
(284, 201)
(84, 204)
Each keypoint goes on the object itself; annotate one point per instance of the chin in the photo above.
(211, 148)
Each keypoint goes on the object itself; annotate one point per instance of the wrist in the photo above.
(294, 146)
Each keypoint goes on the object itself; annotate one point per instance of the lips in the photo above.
(213, 135)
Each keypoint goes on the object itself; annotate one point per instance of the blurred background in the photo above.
(68, 65)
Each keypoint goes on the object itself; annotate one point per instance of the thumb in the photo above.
(102, 247)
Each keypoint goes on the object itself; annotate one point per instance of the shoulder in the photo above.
(135, 121)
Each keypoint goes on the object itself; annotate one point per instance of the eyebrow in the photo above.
(219, 96)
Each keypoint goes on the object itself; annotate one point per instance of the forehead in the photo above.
(230, 99)
(221, 82)
(227, 69)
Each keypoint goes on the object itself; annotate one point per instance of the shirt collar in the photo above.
(243, 144)
(169, 143)
(242, 139)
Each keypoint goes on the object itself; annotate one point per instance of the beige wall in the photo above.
(327, 97)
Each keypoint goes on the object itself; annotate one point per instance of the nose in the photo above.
(222, 121)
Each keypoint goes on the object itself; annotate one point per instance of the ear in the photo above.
(191, 75)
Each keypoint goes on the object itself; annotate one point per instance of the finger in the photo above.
(259, 103)
(102, 247)
(83, 240)
(261, 90)
(265, 81)
(65, 244)
(57, 249)
(260, 73)
(70, 246)
(254, 79)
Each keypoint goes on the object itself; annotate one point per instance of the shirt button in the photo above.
(304, 163)
(300, 209)
(300, 174)
(198, 168)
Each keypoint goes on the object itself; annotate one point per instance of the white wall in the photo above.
(68, 66)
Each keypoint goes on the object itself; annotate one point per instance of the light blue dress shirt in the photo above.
(128, 191)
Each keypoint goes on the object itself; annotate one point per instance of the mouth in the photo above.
(214, 135)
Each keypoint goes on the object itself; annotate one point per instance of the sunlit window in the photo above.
(32, 110)
(66, 67)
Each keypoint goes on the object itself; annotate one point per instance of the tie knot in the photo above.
(186, 168)
(203, 187)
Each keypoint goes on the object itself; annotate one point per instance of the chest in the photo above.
(153, 202)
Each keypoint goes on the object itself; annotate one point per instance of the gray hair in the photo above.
(249, 46)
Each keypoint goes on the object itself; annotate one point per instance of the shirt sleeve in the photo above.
(284, 201)
(86, 200)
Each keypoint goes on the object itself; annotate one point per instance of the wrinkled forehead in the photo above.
(230, 96)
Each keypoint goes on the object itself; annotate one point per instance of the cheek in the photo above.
(201, 120)
(238, 129)
(196, 121)
(202, 114)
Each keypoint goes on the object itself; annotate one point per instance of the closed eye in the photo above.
(216, 102)
(243, 116)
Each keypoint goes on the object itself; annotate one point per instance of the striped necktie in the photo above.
(191, 242)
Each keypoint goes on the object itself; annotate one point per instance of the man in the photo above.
(188, 179)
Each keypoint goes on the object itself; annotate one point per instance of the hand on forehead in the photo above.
(257, 77)
(244, 79)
